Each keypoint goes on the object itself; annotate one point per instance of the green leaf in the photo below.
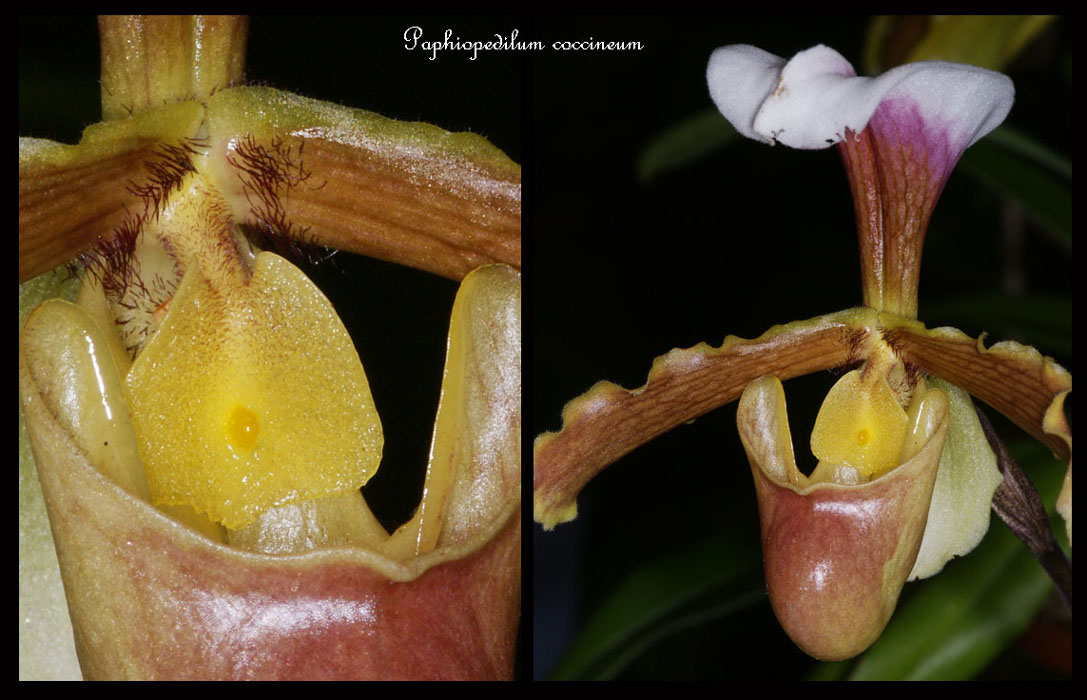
(1044, 321)
(1026, 146)
(1020, 175)
(954, 625)
(989, 41)
(666, 596)
(685, 142)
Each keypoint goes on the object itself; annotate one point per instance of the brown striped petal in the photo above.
(1015, 379)
(406, 192)
(72, 198)
(682, 385)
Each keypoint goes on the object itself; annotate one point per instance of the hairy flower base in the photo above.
(406, 192)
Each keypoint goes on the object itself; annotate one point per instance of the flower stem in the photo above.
(148, 61)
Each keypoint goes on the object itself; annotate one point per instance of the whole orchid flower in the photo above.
(200, 418)
(906, 476)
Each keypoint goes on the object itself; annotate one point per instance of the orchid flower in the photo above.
(905, 476)
(200, 419)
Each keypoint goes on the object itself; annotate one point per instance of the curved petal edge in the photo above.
(608, 421)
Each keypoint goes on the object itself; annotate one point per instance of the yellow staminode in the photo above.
(860, 425)
(251, 395)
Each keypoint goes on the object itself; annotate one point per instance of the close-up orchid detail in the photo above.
(198, 415)
(907, 469)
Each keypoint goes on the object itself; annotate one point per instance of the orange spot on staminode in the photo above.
(242, 428)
